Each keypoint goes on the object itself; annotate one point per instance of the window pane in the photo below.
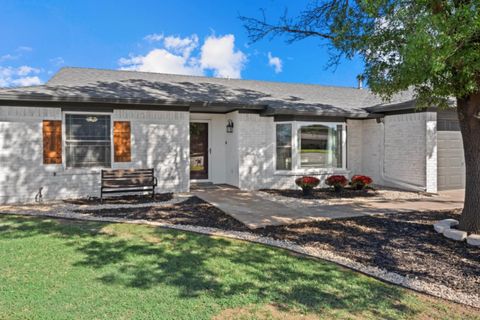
(88, 154)
(284, 146)
(87, 140)
(320, 146)
(87, 127)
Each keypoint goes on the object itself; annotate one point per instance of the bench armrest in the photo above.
(155, 181)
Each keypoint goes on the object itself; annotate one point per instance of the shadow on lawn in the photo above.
(144, 258)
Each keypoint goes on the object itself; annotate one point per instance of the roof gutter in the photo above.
(392, 107)
(109, 101)
(318, 113)
(45, 98)
(403, 106)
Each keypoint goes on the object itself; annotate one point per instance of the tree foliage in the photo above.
(429, 46)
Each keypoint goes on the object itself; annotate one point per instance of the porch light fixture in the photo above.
(229, 126)
(91, 119)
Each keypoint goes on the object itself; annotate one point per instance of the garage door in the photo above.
(451, 164)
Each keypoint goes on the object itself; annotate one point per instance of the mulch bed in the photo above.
(324, 193)
(124, 199)
(192, 211)
(405, 243)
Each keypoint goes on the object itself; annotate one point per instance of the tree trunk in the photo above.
(468, 109)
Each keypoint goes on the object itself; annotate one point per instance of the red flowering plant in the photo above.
(338, 182)
(360, 182)
(307, 184)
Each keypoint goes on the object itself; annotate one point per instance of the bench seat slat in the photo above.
(132, 179)
(127, 191)
(128, 177)
(127, 171)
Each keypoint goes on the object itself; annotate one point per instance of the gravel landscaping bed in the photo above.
(296, 198)
(323, 193)
(124, 199)
(191, 211)
(404, 243)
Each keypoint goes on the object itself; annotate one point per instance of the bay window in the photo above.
(310, 145)
(87, 140)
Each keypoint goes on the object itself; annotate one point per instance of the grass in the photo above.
(60, 269)
(314, 151)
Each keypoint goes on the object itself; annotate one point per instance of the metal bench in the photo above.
(127, 181)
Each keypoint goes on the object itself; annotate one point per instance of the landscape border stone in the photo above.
(444, 227)
(474, 240)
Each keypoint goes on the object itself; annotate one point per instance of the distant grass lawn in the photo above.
(59, 269)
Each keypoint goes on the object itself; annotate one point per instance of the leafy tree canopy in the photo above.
(429, 46)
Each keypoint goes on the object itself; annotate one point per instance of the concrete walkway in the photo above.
(256, 211)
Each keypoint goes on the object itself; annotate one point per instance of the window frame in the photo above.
(296, 161)
(291, 146)
(64, 139)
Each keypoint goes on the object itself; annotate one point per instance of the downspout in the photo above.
(396, 182)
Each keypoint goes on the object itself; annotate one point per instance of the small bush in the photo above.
(360, 182)
(307, 184)
(338, 182)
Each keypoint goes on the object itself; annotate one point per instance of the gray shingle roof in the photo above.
(115, 86)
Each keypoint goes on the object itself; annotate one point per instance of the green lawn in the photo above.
(59, 269)
(313, 151)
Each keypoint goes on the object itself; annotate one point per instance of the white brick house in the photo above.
(248, 134)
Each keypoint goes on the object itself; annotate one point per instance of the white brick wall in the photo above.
(400, 151)
(232, 157)
(159, 140)
(405, 147)
(354, 145)
(256, 151)
(372, 150)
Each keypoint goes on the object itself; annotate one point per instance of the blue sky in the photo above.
(193, 37)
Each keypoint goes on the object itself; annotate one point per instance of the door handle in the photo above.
(210, 150)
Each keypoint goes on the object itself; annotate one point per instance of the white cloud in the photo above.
(275, 62)
(183, 56)
(24, 48)
(163, 61)
(26, 70)
(20, 76)
(27, 81)
(184, 46)
(19, 53)
(58, 61)
(154, 37)
(8, 56)
(219, 54)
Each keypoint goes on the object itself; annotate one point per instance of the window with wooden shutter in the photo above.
(52, 142)
(121, 141)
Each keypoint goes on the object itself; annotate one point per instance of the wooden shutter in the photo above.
(121, 141)
(52, 142)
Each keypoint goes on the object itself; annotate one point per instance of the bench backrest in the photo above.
(127, 177)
